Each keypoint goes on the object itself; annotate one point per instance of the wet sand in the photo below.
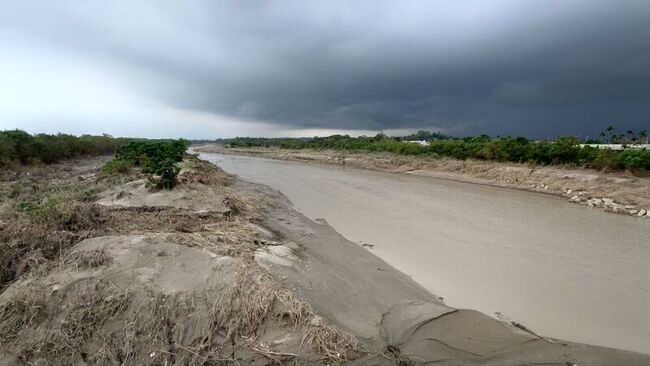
(560, 269)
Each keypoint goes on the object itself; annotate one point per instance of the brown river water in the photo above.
(561, 269)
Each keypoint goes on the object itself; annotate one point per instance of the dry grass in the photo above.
(84, 317)
(106, 324)
(400, 359)
(25, 307)
(27, 247)
(42, 221)
(232, 238)
(237, 204)
(88, 259)
(93, 308)
(331, 342)
(256, 295)
(242, 307)
(96, 322)
(65, 209)
(295, 310)
(200, 171)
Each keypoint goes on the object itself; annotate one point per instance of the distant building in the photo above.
(420, 142)
(618, 146)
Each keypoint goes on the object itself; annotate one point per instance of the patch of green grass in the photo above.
(25, 207)
(117, 166)
(15, 190)
(64, 208)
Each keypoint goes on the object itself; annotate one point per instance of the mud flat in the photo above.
(615, 192)
(159, 278)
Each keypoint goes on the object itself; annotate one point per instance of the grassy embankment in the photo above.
(562, 151)
(47, 208)
(68, 300)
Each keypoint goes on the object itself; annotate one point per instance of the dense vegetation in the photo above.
(19, 147)
(564, 150)
(157, 158)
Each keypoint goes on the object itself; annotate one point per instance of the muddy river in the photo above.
(561, 269)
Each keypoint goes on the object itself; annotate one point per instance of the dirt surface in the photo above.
(252, 281)
(167, 277)
(616, 192)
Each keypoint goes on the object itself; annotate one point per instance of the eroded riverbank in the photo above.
(221, 271)
(561, 270)
(615, 192)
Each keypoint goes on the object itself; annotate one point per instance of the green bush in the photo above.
(166, 172)
(19, 147)
(634, 159)
(564, 150)
(116, 166)
(156, 158)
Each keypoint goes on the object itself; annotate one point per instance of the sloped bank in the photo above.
(164, 278)
(220, 271)
(399, 320)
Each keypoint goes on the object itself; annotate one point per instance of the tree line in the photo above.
(563, 150)
(18, 147)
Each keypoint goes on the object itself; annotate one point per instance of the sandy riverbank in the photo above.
(220, 271)
(616, 192)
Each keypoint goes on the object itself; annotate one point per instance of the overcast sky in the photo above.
(207, 69)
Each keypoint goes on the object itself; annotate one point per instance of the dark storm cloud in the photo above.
(537, 68)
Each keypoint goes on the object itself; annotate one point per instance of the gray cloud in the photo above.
(536, 68)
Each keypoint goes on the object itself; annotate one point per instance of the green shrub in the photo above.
(156, 158)
(116, 166)
(19, 147)
(142, 152)
(15, 190)
(564, 150)
(634, 159)
(165, 173)
(63, 209)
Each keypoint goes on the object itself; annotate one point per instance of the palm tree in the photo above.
(631, 136)
(610, 131)
(643, 135)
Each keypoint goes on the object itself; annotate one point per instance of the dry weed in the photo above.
(401, 359)
(332, 343)
(93, 308)
(84, 317)
(200, 171)
(25, 307)
(27, 247)
(237, 205)
(88, 259)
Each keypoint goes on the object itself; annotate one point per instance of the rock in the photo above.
(574, 199)
(596, 202)
(633, 212)
(569, 191)
(608, 201)
(641, 213)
